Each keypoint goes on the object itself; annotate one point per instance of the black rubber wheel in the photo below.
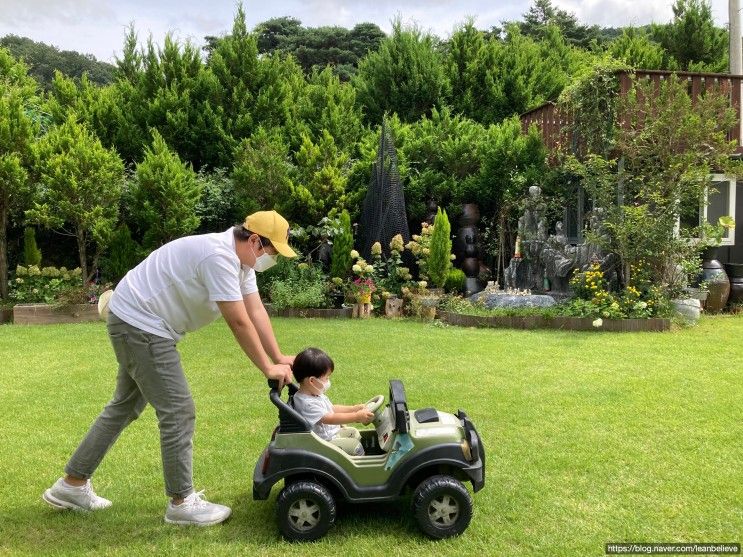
(442, 506)
(306, 511)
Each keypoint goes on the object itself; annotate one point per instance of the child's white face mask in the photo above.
(322, 386)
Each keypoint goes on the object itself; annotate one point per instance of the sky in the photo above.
(98, 26)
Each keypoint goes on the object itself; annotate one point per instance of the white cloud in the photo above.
(98, 26)
(64, 12)
(621, 13)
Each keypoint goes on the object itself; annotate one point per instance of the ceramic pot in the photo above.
(470, 214)
(465, 243)
(735, 274)
(718, 285)
(471, 266)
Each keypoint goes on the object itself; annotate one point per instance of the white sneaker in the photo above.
(196, 510)
(65, 496)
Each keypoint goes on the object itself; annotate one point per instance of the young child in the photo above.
(312, 368)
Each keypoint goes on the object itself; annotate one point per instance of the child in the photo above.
(312, 369)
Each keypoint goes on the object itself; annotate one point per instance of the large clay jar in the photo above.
(718, 285)
(470, 214)
(465, 244)
(735, 274)
(471, 266)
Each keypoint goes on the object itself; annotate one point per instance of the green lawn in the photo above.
(590, 437)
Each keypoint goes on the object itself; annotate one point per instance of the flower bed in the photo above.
(554, 322)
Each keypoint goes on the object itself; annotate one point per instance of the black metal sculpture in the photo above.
(383, 215)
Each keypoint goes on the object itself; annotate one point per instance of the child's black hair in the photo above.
(311, 362)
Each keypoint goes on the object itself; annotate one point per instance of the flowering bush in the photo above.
(391, 274)
(589, 284)
(420, 247)
(593, 299)
(77, 294)
(32, 285)
(361, 267)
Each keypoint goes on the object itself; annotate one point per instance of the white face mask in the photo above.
(263, 262)
(322, 386)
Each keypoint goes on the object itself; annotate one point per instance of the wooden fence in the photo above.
(554, 123)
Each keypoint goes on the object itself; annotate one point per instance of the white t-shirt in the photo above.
(313, 408)
(176, 288)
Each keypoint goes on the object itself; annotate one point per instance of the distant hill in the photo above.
(43, 59)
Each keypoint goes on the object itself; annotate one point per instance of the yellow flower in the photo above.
(354, 254)
(397, 244)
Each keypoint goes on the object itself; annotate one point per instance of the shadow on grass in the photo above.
(258, 523)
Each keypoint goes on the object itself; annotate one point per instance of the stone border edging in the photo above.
(559, 322)
(45, 314)
(322, 313)
(6, 316)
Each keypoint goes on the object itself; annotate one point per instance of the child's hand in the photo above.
(359, 407)
(364, 416)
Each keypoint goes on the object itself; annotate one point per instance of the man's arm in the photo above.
(247, 337)
(259, 317)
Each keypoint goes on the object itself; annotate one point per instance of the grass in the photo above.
(590, 437)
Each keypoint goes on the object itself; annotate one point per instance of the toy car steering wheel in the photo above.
(374, 404)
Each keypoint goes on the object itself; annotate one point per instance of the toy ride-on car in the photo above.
(426, 452)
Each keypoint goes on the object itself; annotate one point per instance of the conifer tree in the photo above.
(340, 259)
(81, 185)
(406, 76)
(17, 132)
(31, 251)
(167, 193)
(439, 259)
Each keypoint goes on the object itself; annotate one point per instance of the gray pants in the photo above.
(149, 371)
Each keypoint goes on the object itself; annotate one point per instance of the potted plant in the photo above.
(362, 289)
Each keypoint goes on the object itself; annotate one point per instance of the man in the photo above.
(179, 287)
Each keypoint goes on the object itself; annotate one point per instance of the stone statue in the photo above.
(559, 260)
(531, 223)
(548, 262)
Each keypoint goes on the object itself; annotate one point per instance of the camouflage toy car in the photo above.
(426, 452)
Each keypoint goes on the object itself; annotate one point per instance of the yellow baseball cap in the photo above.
(273, 226)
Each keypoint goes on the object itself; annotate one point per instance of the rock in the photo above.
(688, 308)
(492, 300)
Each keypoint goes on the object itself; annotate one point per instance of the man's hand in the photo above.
(282, 372)
(288, 360)
(364, 416)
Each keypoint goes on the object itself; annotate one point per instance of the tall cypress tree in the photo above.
(81, 186)
(167, 193)
(17, 131)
